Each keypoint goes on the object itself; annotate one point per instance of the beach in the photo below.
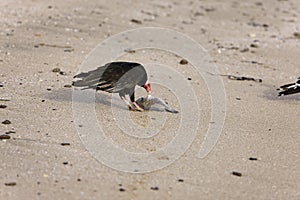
(45, 155)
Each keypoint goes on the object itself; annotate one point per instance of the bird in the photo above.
(290, 88)
(116, 77)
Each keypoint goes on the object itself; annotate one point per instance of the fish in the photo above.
(146, 103)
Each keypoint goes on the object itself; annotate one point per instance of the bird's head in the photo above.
(147, 87)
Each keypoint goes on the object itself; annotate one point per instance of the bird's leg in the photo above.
(137, 107)
(130, 106)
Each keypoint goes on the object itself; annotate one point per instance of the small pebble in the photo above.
(183, 62)
(1, 99)
(189, 79)
(154, 188)
(297, 35)
(236, 173)
(10, 184)
(122, 190)
(238, 98)
(56, 70)
(68, 50)
(9, 132)
(251, 158)
(136, 21)
(62, 73)
(209, 9)
(265, 25)
(65, 163)
(49, 89)
(244, 50)
(254, 45)
(67, 86)
(4, 137)
(129, 50)
(180, 180)
(3, 106)
(65, 144)
(6, 122)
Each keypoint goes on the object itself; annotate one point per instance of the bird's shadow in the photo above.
(272, 94)
(66, 95)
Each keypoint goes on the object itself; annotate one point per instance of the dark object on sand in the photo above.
(136, 21)
(56, 70)
(116, 77)
(252, 158)
(146, 103)
(154, 188)
(243, 78)
(6, 122)
(183, 62)
(4, 137)
(297, 35)
(290, 88)
(10, 184)
(236, 173)
(2, 106)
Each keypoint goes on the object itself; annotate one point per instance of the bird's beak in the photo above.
(147, 87)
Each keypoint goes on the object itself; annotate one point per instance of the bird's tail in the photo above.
(89, 79)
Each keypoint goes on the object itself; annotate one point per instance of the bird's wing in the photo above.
(130, 79)
(126, 76)
(113, 77)
(290, 90)
(89, 79)
(287, 85)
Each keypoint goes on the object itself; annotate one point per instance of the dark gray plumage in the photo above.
(115, 77)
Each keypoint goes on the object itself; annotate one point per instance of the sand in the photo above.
(257, 153)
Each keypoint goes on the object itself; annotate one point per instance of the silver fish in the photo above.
(149, 101)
